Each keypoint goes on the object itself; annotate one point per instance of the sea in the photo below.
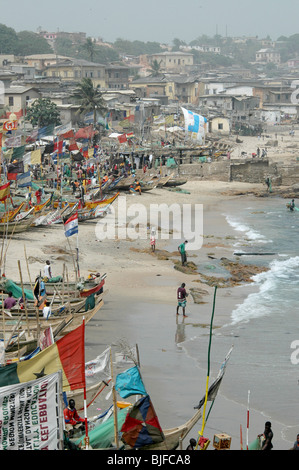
(263, 328)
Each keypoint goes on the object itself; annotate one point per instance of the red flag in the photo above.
(12, 176)
(122, 138)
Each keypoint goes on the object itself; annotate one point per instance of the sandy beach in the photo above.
(140, 306)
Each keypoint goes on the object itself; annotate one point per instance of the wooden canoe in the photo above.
(53, 321)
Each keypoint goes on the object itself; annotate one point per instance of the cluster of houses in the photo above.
(230, 98)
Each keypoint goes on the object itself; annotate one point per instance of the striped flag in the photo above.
(24, 179)
(4, 191)
(71, 225)
(67, 354)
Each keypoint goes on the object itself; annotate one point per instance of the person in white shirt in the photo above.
(47, 311)
(47, 270)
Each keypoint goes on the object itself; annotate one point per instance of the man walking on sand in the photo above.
(182, 299)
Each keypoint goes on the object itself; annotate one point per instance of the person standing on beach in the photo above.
(182, 250)
(267, 437)
(153, 239)
(182, 299)
(47, 270)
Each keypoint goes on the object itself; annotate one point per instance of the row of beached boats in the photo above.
(95, 205)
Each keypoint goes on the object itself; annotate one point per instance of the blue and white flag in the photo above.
(71, 225)
(24, 179)
(194, 123)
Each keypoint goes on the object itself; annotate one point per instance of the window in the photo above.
(220, 126)
(10, 100)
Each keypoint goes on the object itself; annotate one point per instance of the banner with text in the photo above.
(31, 415)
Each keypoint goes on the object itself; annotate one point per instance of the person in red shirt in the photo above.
(182, 299)
(72, 419)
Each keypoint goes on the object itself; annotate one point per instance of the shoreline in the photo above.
(140, 307)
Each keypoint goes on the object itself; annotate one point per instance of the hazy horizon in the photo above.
(159, 21)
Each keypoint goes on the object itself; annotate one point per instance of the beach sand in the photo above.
(140, 305)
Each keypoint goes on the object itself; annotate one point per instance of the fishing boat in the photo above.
(17, 226)
(89, 204)
(30, 323)
(82, 288)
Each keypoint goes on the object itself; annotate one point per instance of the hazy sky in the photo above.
(156, 20)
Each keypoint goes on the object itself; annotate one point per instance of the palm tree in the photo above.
(89, 98)
(89, 46)
(155, 68)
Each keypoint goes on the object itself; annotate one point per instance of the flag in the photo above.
(194, 123)
(30, 415)
(129, 383)
(18, 152)
(67, 354)
(4, 191)
(63, 129)
(58, 145)
(213, 390)
(36, 157)
(24, 180)
(71, 225)
(141, 426)
(122, 138)
(99, 367)
(45, 131)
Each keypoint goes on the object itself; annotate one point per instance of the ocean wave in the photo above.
(249, 232)
(275, 287)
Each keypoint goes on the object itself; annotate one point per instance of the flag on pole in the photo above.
(4, 191)
(194, 124)
(142, 426)
(130, 383)
(24, 179)
(99, 368)
(71, 225)
(67, 354)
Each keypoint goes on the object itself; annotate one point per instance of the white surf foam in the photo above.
(261, 303)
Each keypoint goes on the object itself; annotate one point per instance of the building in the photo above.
(76, 69)
(41, 61)
(17, 98)
(219, 125)
(267, 56)
(172, 61)
(117, 76)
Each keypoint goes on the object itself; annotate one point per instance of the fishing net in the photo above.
(255, 445)
(102, 436)
(10, 286)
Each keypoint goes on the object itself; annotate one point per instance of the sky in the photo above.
(155, 20)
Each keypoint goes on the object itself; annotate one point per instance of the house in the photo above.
(75, 69)
(172, 61)
(149, 86)
(184, 88)
(219, 125)
(266, 56)
(41, 61)
(17, 97)
(117, 76)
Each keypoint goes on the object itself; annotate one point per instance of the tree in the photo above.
(32, 43)
(89, 46)
(89, 98)
(8, 40)
(43, 112)
(155, 68)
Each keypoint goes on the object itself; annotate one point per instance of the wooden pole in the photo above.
(31, 287)
(23, 294)
(114, 404)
